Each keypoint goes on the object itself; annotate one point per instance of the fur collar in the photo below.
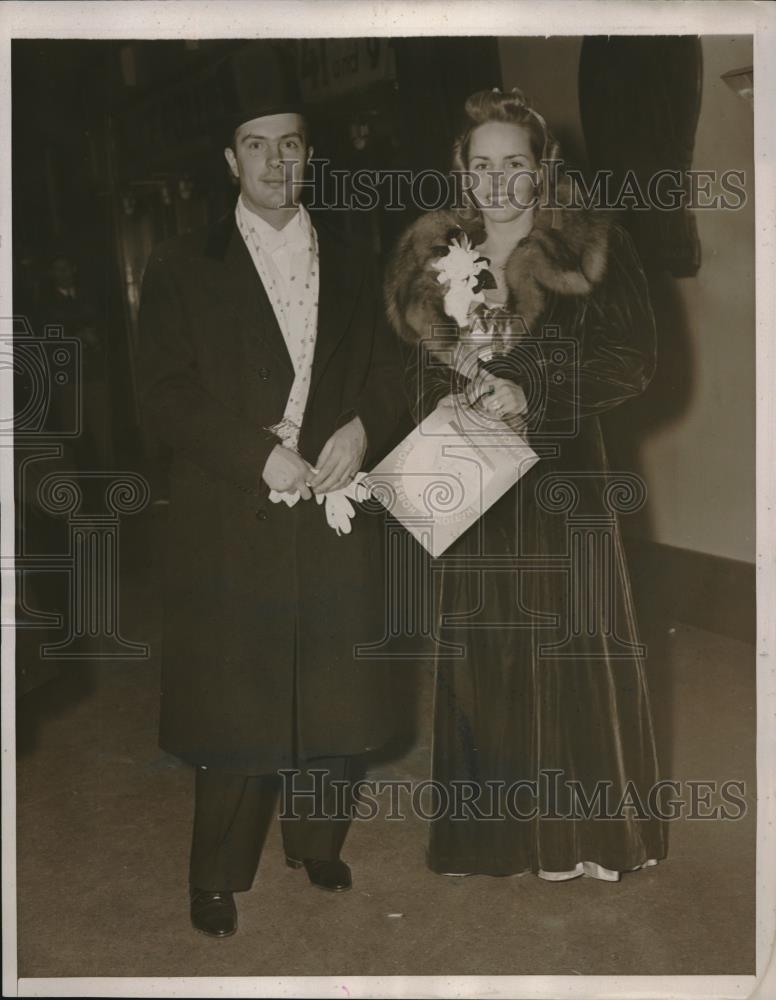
(564, 253)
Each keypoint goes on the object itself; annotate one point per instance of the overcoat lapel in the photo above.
(339, 281)
(244, 294)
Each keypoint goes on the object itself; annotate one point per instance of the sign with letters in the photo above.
(330, 67)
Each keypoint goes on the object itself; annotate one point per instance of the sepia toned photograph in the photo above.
(384, 581)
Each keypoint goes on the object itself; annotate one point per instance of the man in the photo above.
(266, 365)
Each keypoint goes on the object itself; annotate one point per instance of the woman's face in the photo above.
(505, 171)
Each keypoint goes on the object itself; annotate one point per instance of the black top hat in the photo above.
(260, 80)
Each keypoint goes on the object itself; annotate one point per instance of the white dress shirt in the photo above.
(287, 262)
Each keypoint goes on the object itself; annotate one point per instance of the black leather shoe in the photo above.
(334, 876)
(213, 913)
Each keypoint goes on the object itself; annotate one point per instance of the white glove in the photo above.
(339, 509)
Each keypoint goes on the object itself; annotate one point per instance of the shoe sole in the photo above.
(209, 934)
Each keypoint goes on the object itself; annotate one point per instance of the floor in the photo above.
(103, 836)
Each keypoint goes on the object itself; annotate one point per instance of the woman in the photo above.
(545, 718)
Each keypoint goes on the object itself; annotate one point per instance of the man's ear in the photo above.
(231, 159)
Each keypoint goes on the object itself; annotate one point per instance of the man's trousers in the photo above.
(233, 812)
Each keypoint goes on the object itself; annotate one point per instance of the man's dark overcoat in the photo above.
(251, 587)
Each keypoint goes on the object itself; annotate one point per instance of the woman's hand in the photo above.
(500, 397)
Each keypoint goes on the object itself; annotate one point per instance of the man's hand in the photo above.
(286, 472)
(340, 458)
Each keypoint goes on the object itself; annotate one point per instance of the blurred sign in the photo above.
(330, 67)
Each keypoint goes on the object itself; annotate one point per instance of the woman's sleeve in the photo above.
(428, 381)
(606, 359)
(613, 355)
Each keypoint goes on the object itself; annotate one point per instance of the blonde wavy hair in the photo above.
(513, 109)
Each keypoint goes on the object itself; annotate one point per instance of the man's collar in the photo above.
(296, 232)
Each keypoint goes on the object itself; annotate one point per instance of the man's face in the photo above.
(269, 158)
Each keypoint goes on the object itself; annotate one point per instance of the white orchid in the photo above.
(465, 272)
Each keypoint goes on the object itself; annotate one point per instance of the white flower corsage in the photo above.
(465, 272)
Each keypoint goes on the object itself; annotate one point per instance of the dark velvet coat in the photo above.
(254, 589)
(536, 596)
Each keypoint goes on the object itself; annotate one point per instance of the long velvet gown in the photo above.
(552, 685)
